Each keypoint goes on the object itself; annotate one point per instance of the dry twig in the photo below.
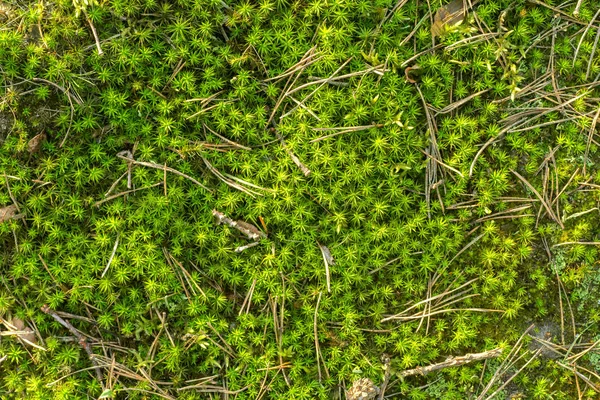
(251, 231)
(537, 194)
(81, 339)
(317, 349)
(126, 155)
(442, 301)
(294, 158)
(453, 362)
(506, 365)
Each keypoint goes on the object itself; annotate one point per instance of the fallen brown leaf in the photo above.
(451, 14)
(407, 73)
(33, 146)
(18, 325)
(8, 212)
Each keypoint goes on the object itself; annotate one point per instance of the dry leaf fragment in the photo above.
(362, 389)
(5, 12)
(33, 146)
(326, 254)
(328, 260)
(17, 327)
(8, 212)
(407, 73)
(452, 14)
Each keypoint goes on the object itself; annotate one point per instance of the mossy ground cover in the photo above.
(273, 199)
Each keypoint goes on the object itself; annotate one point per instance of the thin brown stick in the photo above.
(278, 330)
(228, 141)
(177, 70)
(430, 314)
(285, 365)
(305, 61)
(594, 386)
(562, 314)
(342, 130)
(583, 35)
(126, 155)
(317, 336)
(506, 364)
(457, 104)
(429, 299)
(589, 140)
(335, 78)
(62, 89)
(509, 211)
(533, 357)
(114, 196)
(430, 167)
(248, 299)
(577, 7)
(576, 243)
(589, 65)
(573, 326)
(471, 243)
(112, 255)
(96, 39)
(591, 373)
(561, 12)
(537, 194)
(230, 182)
(230, 351)
(575, 357)
(187, 276)
(387, 367)
(322, 83)
(5, 212)
(579, 214)
(290, 83)
(558, 121)
(115, 183)
(25, 335)
(327, 260)
(472, 40)
(294, 158)
(202, 111)
(443, 164)
(165, 179)
(82, 340)
(263, 389)
(430, 50)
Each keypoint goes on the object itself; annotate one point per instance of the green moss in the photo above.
(415, 188)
